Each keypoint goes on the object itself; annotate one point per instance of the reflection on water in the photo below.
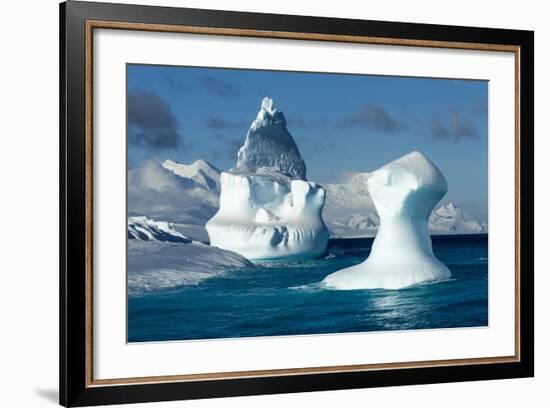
(287, 298)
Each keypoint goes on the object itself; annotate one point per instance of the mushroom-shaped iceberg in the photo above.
(404, 193)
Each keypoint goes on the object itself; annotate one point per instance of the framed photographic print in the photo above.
(255, 203)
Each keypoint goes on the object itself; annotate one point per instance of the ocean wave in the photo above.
(321, 285)
(310, 287)
(432, 282)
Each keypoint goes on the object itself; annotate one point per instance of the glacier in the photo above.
(267, 209)
(404, 193)
(159, 257)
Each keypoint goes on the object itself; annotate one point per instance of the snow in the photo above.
(160, 193)
(269, 147)
(350, 212)
(361, 222)
(154, 265)
(451, 219)
(145, 229)
(160, 257)
(268, 211)
(200, 171)
(404, 193)
(264, 219)
(348, 202)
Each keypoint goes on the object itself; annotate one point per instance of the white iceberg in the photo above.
(268, 210)
(264, 219)
(404, 193)
(269, 148)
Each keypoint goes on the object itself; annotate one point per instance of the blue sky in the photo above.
(341, 123)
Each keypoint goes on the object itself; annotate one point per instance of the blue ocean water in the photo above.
(286, 298)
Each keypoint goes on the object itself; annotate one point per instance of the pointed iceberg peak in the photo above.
(269, 147)
(268, 115)
(267, 105)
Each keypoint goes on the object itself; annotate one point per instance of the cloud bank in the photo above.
(456, 128)
(218, 123)
(151, 122)
(372, 117)
(219, 87)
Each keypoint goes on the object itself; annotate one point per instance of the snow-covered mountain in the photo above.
(349, 211)
(145, 229)
(349, 208)
(364, 222)
(186, 195)
(351, 194)
(448, 219)
(451, 219)
(200, 171)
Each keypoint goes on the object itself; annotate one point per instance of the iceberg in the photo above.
(268, 210)
(404, 193)
(269, 147)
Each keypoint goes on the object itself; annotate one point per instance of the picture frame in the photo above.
(79, 21)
